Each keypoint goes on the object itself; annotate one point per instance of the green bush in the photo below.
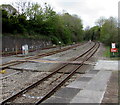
(55, 40)
(39, 22)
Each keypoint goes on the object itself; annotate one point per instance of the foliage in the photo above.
(107, 52)
(109, 31)
(100, 21)
(74, 24)
(37, 20)
(10, 9)
(105, 31)
(92, 33)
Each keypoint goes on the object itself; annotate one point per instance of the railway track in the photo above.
(54, 81)
(16, 62)
(20, 52)
(17, 72)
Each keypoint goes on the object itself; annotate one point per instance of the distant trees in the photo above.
(12, 21)
(92, 33)
(109, 31)
(36, 21)
(100, 21)
(31, 20)
(74, 24)
(106, 31)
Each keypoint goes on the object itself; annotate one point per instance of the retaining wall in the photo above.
(12, 43)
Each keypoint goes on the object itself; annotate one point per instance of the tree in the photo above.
(109, 31)
(92, 33)
(34, 20)
(74, 25)
(34, 11)
(87, 35)
(100, 21)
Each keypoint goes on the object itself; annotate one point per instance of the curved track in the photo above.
(16, 62)
(55, 83)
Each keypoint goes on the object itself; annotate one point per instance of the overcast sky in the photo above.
(88, 10)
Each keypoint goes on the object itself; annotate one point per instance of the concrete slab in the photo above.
(93, 71)
(90, 89)
(84, 79)
(88, 75)
(99, 82)
(88, 96)
(64, 95)
(106, 65)
(91, 85)
(78, 85)
(67, 92)
(84, 69)
(35, 66)
(54, 99)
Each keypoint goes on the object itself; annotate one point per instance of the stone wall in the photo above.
(12, 43)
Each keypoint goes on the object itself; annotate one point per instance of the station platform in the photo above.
(89, 88)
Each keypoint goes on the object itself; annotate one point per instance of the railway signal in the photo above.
(114, 49)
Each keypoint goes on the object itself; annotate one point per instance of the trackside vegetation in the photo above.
(36, 21)
(106, 31)
(31, 20)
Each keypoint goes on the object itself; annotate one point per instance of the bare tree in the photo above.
(22, 6)
(100, 21)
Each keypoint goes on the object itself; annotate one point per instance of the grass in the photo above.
(108, 54)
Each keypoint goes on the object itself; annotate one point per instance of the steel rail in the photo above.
(10, 75)
(32, 50)
(43, 79)
(67, 78)
(12, 63)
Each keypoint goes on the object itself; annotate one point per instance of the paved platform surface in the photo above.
(1, 89)
(107, 65)
(89, 88)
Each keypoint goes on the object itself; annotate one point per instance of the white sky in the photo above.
(88, 10)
